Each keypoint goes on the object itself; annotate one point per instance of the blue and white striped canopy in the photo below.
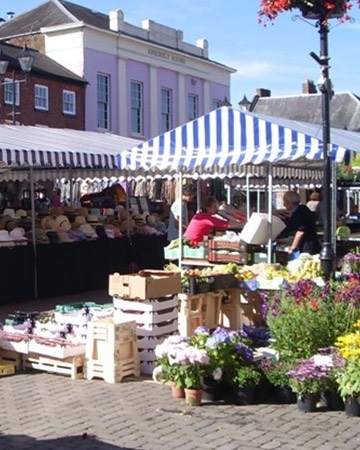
(230, 142)
(22, 147)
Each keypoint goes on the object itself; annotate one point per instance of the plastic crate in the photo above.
(73, 366)
(7, 369)
(157, 330)
(60, 350)
(147, 305)
(239, 246)
(225, 281)
(144, 317)
(231, 257)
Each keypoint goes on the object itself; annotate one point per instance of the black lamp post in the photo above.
(25, 59)
(327, 255)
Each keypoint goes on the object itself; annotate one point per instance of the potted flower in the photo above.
(349, 378)
(275, 371)
(167, 368)
(225, 348)
(308, 379)
(246, 378)
(312, 9)
(349, 387)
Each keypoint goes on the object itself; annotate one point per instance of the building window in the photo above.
(103, 101)
(136, 107)
(166, 108)
(69, 102)
(41, 97)
(215, 104)
(192, 107)
(9, 92)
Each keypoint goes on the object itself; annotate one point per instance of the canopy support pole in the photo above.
(33, 232)
(248, 176)
(270, 207)
(181, 219)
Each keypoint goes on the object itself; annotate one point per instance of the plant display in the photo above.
(270, 9)
(304, 317)
(307, 377)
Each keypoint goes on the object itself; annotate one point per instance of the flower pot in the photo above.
(333, 400)
(307, 402)
(352, 407)
(284, 395)
(177, 391)
(264, 392)
(193, 397)
(213, 390)
(244, 395)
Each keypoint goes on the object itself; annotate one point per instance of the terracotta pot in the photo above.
(177, 391)
(193, 397)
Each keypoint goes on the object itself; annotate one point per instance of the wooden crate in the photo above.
(191, 314)
(111, 351)
(73, 366)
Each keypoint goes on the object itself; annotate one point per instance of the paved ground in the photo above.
(42, 411)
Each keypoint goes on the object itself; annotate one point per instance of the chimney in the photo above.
(261, 92)
(309, 87)
(116, 20)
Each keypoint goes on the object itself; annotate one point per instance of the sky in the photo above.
(275, 57)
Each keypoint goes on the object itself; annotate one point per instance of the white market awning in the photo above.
(229, 142)
(48, 149)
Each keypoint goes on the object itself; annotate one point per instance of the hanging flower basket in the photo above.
(310, 9)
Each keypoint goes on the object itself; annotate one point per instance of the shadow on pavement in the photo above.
(83, 442)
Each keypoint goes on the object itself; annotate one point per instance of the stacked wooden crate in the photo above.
(150, 299)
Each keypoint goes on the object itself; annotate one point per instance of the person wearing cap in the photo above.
(174, 217)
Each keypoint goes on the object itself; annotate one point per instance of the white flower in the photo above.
(157, 374)
(217, 374)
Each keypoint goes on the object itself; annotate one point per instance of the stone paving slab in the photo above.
(42, 411)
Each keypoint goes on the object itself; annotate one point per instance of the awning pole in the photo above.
(270, 188)
(248, 175)
(33, 232)
(181, 219)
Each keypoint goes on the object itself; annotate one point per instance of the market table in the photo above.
(69, 268)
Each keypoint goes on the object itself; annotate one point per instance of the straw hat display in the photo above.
(8, 223)
(5, 239)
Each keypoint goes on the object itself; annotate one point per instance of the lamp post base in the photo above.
(327, 259)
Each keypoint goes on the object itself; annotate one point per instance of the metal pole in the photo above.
(327, 255)
(14, 98)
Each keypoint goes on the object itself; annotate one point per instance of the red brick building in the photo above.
(49, 95)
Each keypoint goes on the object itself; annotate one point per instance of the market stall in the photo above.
(228, 142)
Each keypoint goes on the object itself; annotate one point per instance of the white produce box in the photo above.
(256, 229)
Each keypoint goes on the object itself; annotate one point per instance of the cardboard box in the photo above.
(145, 285)
(256, 230)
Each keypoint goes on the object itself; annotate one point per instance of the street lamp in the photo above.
(25, 59)
(327, 255)
(245, 104)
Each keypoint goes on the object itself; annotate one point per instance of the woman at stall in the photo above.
(206, 220)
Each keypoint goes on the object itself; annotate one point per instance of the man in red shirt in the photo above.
(204, 221)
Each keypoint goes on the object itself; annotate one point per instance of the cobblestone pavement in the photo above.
(43, 411)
